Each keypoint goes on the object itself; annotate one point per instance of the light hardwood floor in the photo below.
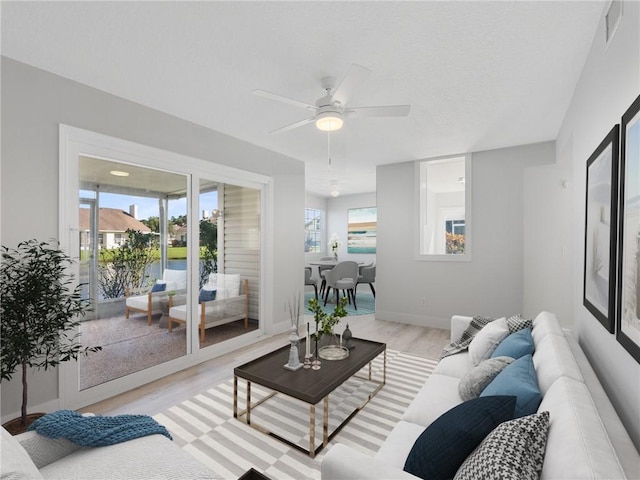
(173, 389)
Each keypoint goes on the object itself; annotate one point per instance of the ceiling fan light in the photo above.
(329, 121)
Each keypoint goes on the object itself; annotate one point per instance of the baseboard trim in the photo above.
(412, 319)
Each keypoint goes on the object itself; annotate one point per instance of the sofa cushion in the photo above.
(513, 451)
(454, 365)
(395, 449)
(518, 379)
(578, 445)
(443, 446)
(437, 395)
(553, 359)
(545, 324)
(44, 450)
(159, 286)
(516, 345)
(15, 462)
(150, 457)
(486, 340)
(476, 380)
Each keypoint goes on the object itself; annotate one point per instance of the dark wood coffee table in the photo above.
(309, 386)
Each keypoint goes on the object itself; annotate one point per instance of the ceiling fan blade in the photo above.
(355, 77)
(382, 111)
(287, 100)
(291, 126)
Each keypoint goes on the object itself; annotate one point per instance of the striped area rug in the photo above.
(204, 425)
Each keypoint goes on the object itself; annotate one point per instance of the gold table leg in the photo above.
(325, 422)
(312, 431)
(235, 397)
(248, 402)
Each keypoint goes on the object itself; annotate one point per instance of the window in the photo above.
(444, 196)
(313, 230)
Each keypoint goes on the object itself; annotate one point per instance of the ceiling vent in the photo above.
(612, 18)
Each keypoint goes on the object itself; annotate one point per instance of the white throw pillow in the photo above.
(487, 340)
(16, 462)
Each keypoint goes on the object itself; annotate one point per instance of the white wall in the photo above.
(610, 82)
(429, 292)
(35, 102)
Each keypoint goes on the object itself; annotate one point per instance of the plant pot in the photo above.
(15, 426)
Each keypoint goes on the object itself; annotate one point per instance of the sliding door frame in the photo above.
(74, 142)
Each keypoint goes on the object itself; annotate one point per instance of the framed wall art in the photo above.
(628, 322)
(601, 230)
(361, 230)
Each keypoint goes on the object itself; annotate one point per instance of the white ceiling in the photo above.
(479, 75)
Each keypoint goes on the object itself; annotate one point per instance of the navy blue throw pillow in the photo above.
(447, 442)
(206, 295)
(158, 287)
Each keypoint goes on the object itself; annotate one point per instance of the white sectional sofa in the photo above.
(586, 438)
(31, 456)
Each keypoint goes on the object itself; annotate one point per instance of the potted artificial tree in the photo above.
(39, 311)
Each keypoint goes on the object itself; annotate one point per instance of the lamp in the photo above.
(334, 191)
(329, 121)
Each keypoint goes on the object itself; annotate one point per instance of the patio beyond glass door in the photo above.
(133, 260)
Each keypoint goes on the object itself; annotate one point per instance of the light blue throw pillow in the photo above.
(518, 379)
(516, 345)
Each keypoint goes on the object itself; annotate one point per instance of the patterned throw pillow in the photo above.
(445, 444)
(513, 451)
(477, 379)
(461, 344)
(517, 323)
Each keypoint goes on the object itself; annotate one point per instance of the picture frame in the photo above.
(600, 245)
(361, 230)
(628, 323)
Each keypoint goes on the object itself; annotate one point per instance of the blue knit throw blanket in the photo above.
(96, 431)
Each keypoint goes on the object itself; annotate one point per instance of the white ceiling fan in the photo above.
(330, 110)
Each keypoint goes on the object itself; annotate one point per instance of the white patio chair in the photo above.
(173, 281)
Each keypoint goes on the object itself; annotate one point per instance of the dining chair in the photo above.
(367, 274)
(309, 280)
(321, 271)
(343, 276)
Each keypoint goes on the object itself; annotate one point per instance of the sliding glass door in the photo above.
(133, 251)
(153, 233)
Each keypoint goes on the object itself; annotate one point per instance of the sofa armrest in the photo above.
(343, 462)
(459, 323)
(44, 450)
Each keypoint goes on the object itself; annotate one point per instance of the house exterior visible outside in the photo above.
(113, 225)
